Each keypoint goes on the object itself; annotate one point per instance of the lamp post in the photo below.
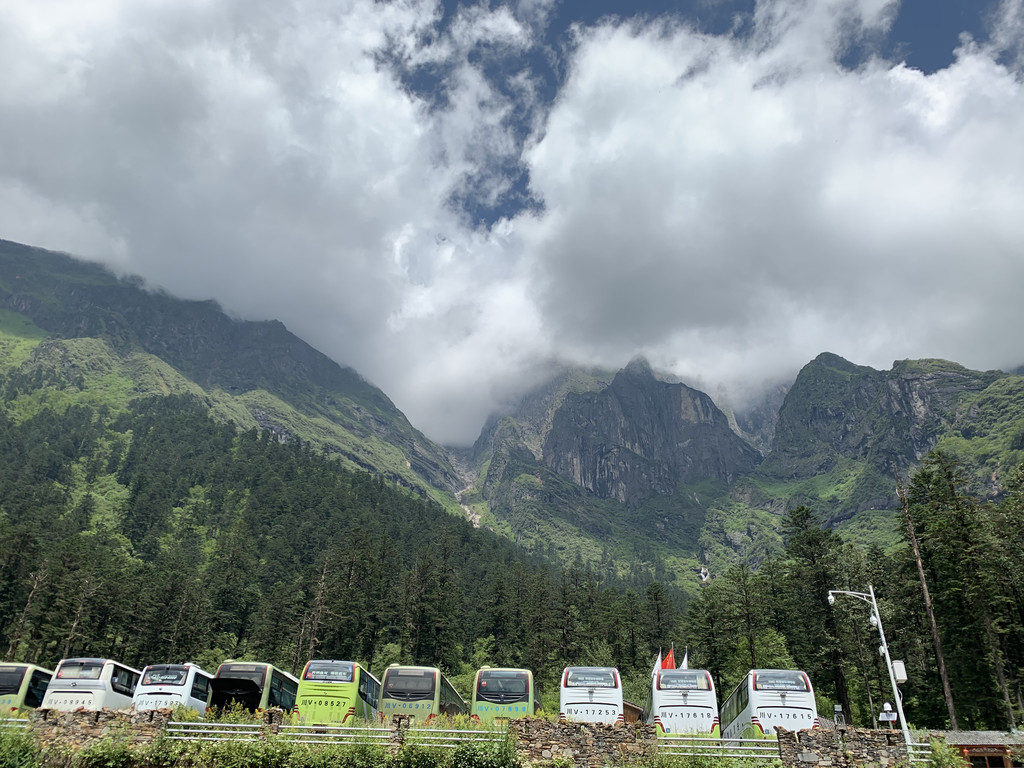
(876, 621)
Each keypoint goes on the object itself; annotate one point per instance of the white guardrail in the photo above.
(313, 734)
(704, 746)
(326, 734)
(919, 752)
(14, 723)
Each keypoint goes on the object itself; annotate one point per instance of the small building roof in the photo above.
(980, 738)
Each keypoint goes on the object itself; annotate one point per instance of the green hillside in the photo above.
(73, 332)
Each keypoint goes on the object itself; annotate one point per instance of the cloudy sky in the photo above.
(450, 196)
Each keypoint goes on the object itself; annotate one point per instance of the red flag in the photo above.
(669, 661)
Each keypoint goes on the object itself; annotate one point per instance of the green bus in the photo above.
(336, 692)
(254, 685)
(502, 694)
(22, 686)
(423, 693)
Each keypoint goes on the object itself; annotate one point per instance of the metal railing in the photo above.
(439, 737)
(327, 734)
(308, 734)
(14, 723)
(348, 735)
(919, 752)
(704, 746)
(214, 731)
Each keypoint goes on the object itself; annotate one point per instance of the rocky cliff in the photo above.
(858, 426)
(640, 437)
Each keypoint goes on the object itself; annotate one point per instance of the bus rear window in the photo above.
(80, 670)
(503, 682)
(409, 684)
(675, 680)
(254, 672)
(325, 672)
(782, 680)
(591, 678)
(165, 675)
(10, 679)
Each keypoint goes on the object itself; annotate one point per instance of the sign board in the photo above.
(887, 716)
(899, 671)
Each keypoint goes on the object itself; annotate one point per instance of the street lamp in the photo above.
(876, 621)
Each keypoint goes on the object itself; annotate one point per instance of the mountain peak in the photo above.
(639, 366)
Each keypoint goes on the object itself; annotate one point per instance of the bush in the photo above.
(485, 755)
(18, 750)
(945, 756)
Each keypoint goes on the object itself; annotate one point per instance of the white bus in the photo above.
(91, 684)
(165, 686)
(683, 701)
(590, 695)
(767, 699)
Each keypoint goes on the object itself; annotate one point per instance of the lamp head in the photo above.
(831, 599)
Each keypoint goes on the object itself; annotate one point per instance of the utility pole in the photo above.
(876, 621)
(947, 692)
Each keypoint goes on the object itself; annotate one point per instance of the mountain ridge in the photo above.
(629, 469)
(228, 360)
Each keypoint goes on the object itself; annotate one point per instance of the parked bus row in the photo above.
(327, 691)
(330, 691)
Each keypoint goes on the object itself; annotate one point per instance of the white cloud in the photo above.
(734, 207)
(729, 207)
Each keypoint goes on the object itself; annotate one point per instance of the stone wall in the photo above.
(80, 728)
(842, 748)
(587, 745)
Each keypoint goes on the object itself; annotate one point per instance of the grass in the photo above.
(18, 338)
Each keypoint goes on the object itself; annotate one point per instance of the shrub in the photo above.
(18, 750)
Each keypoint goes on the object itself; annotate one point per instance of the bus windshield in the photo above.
(80, 670)
(165, 674)
(591, 678)
(780, 680)
(326, 672)
(10, 679)
(678, 680)
(254, 672)
(409, 684)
